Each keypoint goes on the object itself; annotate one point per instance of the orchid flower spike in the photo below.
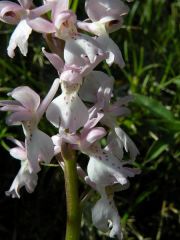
(18, 14)
(27, 110)
(24, 176)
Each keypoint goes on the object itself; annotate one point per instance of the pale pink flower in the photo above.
(18, 14)
(24, 177)
(67, 110)
(27, 110)
(110, 113)
(105, 17)
(106, 218)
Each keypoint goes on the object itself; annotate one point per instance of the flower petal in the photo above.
(18, 153)
(95, 134)
(55, 60)
(115, 146)
(19, 38)
(96, 10)
(68, 111)
(17, 142)
(113, 50)
(47, 100)
(23, 178)
(17, 118)
(58, 7)
(41, 25)
(104, 169)
(105, 217)
(95, 28)
(92, 122)
(12, 108)
(39, 148)
(27, 97)
(26, 3)
(41, 10)
(10, 12)
(81, 50)
(128, 144)
(92, 82)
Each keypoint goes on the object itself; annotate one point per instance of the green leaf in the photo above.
(74, 5)
(175, 80)
(173, 125)
(156, 149)
(154, 106)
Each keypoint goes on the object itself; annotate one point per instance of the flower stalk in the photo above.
(72, 196)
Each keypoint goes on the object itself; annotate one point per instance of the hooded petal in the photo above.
(58, 7)
(68, 111)
(92, 82)
(39, 148)
(19, 38)
(23, 178)
(27, 97)
(95, 28)
(109, 46)
(96, 10)
(10, 12)
(64, 17)
(105, 217)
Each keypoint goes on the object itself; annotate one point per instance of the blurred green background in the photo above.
(150, 208)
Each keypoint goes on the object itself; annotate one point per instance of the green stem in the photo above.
(72, 197)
